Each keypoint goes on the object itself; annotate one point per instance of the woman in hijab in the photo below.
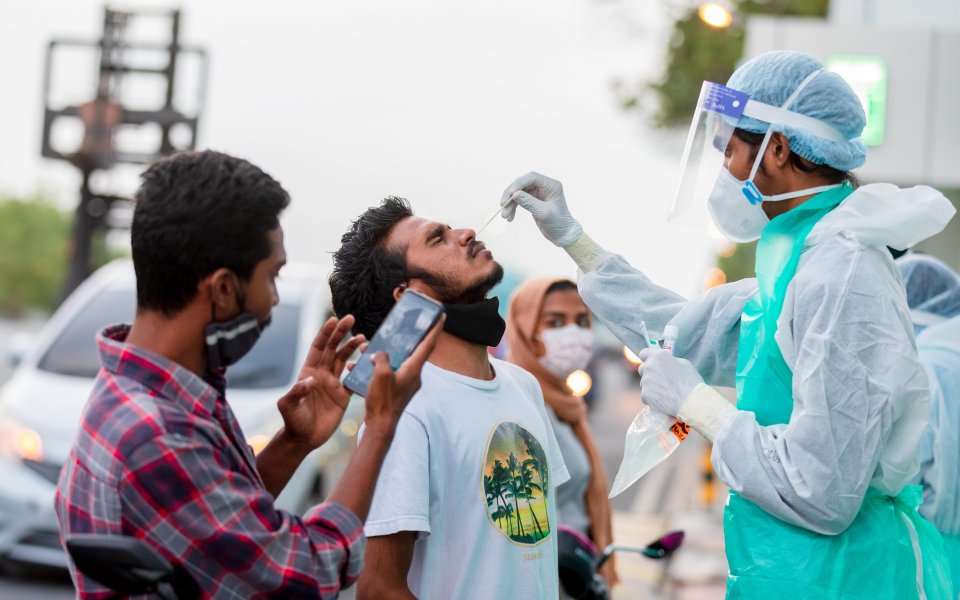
(549, 335)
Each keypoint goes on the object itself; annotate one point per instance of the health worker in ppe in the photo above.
(831, 399)
(933, 294)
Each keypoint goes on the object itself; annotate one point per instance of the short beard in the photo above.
(448, 292)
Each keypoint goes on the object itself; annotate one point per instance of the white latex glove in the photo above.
(665, 380)
(543, 197)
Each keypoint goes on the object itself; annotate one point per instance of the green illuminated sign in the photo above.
(867, 75)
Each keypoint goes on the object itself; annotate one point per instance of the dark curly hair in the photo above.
(196, 212)
(365, 270)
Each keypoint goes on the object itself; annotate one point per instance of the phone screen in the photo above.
(400, 333)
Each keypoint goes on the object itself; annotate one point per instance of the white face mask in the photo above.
(734, 215)
(736, 206)
(567, 348)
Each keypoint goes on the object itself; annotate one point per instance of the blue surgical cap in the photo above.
(932, 286)
(772, 77)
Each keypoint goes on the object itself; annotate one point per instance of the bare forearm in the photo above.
(388, 561)
(278, 461)
(355, 488)
(393, 592)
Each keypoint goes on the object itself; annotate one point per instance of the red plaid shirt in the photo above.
(160, 456)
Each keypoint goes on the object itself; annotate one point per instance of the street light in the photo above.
(714, 277)
(715, 15)
(579, 383)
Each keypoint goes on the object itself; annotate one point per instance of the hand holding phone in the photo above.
(389, 392)
(400, 333)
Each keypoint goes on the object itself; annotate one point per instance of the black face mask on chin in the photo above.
(471, 316)
(477, 322)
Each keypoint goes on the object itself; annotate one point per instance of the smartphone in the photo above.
(400, 333)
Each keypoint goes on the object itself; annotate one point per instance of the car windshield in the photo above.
(269, 364)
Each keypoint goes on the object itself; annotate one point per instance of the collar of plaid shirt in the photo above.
(198, 395)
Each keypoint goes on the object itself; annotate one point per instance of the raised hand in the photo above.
(543, 197)
(665, 380)
(314, 406)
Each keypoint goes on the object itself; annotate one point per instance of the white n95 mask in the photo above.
(567, 348)
(734, 214)
(737, 206)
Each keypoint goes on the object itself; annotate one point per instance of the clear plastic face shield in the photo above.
(734, 204)
(718, 110)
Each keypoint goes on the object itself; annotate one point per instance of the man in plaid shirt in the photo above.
(160, 455)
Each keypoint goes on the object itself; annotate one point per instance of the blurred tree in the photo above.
(698, 52)
(33, 248)
(738, 262)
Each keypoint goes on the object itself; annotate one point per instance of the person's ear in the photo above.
(398, 291)
(222, 289)
(778, 149)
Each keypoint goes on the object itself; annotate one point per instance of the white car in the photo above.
(41, 405)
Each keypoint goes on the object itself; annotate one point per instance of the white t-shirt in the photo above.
(468, 457)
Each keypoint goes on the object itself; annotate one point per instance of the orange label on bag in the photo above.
(680, 429)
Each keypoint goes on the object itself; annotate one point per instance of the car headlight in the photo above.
(258, 442)
(18, 442)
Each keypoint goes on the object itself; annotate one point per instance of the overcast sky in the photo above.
(441, 102)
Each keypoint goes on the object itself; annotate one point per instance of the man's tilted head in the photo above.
(388, 247)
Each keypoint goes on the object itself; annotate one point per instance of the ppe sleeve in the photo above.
(859, 398)
(401, 501)
(928, 477)
(940, 446)
(709, 325)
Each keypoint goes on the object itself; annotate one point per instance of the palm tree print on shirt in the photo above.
(515, 481)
